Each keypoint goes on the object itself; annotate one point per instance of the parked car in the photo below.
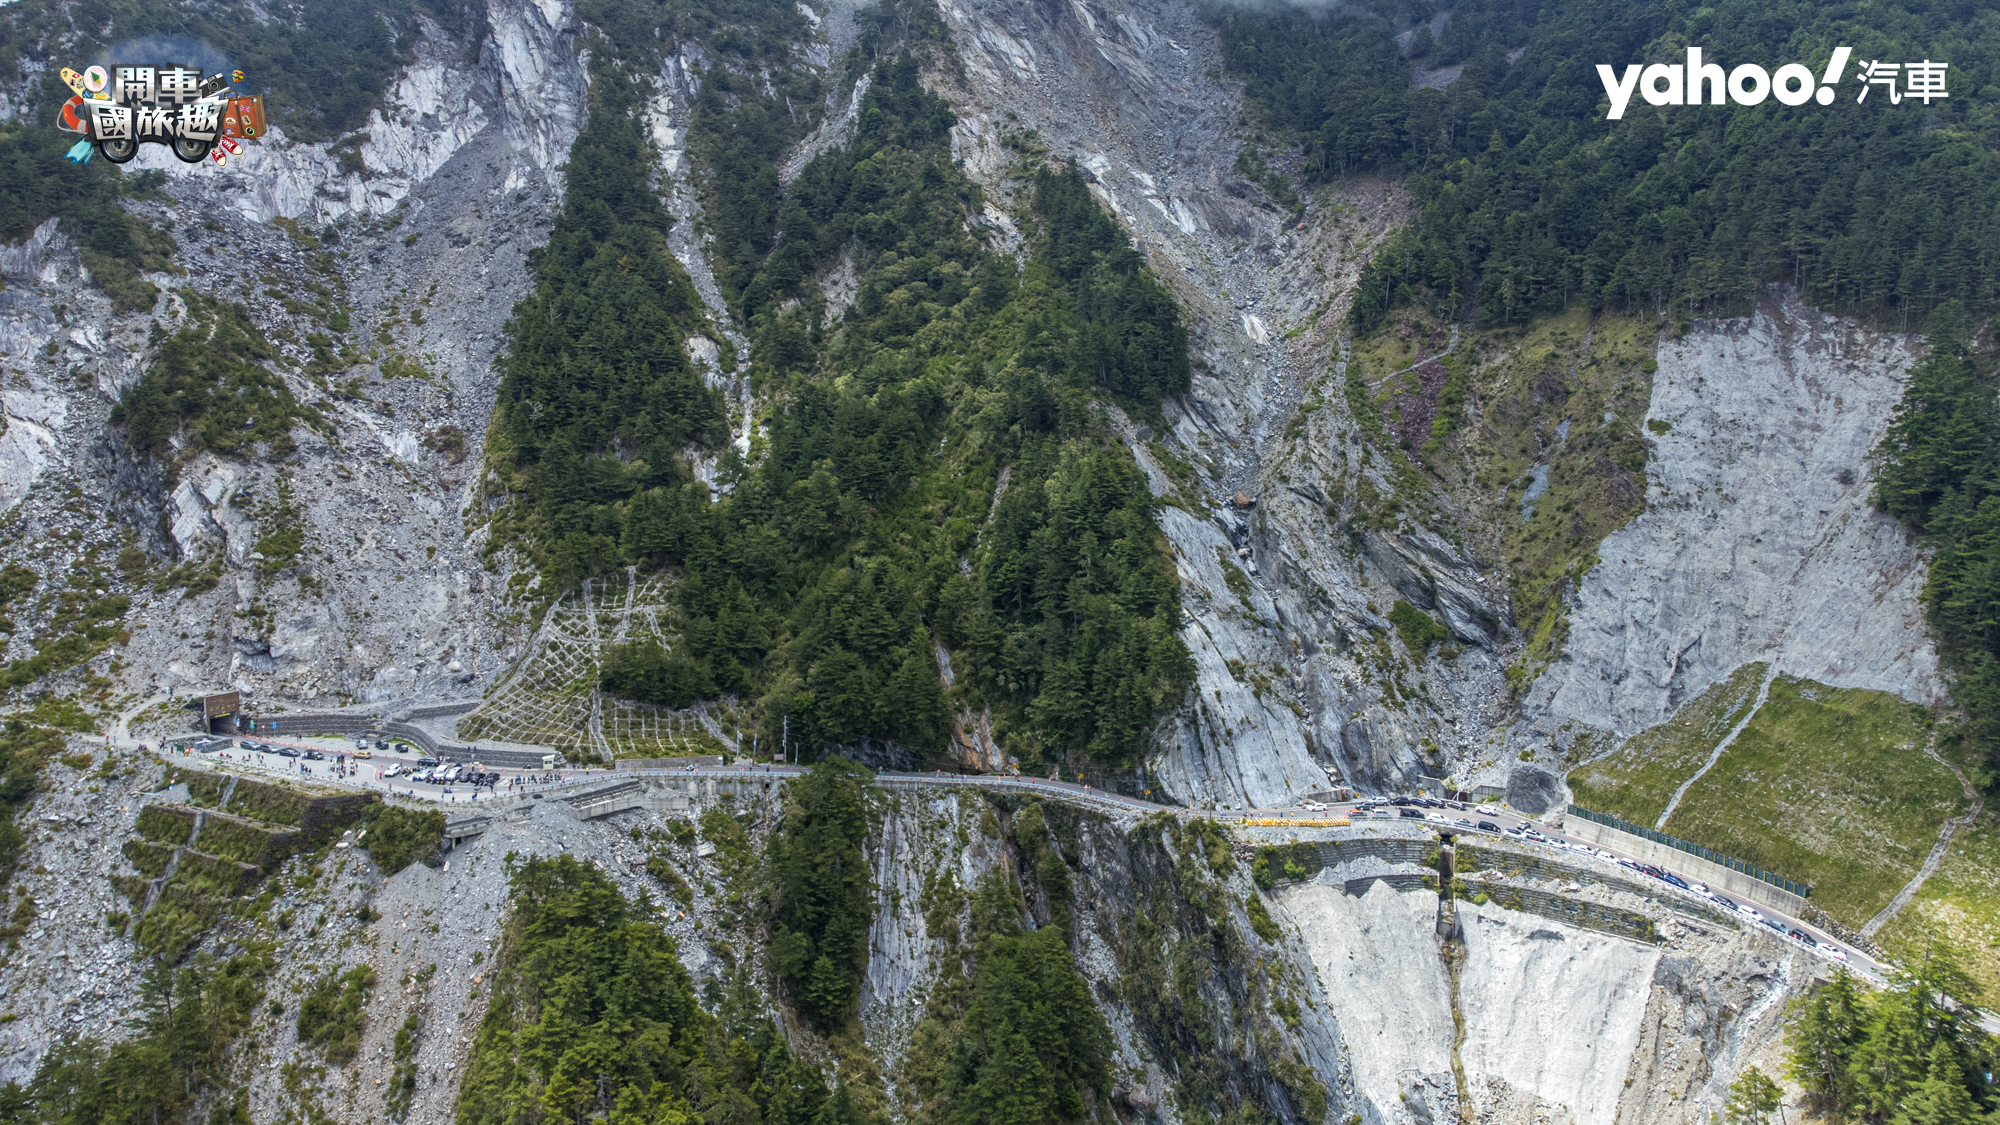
(426, 763)
(256, 746)
(315, 756)
(1488, 826)
(1833, 951)
(1412, 814)
(1462, 822)
(393, 769)
(286, 751)
(1487, 810)
(381, 744)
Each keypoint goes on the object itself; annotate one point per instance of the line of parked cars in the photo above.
(1791, 933)
(1413, 808)
(430, 771)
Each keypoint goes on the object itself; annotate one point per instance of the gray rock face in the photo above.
(1759, 541)
(1282, 706)
(385, 593)
(1535, 790)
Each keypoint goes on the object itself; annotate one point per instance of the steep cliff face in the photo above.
(1759, 541)
(1280, 590)
(1572, 996)
(423, 254)
(1758, 537)
(1756, 544)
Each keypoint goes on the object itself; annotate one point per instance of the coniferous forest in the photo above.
(861, 540)
(1532, 202)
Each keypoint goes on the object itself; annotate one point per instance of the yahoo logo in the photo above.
(1749, 84)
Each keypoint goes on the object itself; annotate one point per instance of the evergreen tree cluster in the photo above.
(1912, 1055)
(1030, 1044)
(1939, 472)
(593, 1017)
(1533, 202)
(209, 386)
(176, 1062)
(855, 538)
(1013, 1034)
(598, 397)
(821, 892)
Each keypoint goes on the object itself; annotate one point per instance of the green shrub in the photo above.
(403, 1081)
(150, 859)
(1260, 919)
(206, 789)
(659, 868)
(133, 887)
(1291, 862)
(331, 1017)
(218, 878)
(165, 826)
(1418, 629)
(173, 924)
(233, 840)
(272, 804)
(397, 837)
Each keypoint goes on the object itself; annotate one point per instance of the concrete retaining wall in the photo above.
(694, 761)
(1719, 878)
(1476, 857)
(1358, 887)
(1392, 849)
(1574, 912)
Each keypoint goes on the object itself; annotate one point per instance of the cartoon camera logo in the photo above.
(119, 109)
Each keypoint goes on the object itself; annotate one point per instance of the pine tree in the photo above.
(1753, 1098)
(1821, 1039)
(1941, 1098)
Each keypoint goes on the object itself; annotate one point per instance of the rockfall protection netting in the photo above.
(550, 697)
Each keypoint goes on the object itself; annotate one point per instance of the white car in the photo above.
(1832, 951)
(1749, 912)
(394, 769)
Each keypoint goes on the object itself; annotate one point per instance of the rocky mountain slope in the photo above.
(354, 570)
(1300, 683)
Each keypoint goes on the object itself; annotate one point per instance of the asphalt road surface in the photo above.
(365, 774)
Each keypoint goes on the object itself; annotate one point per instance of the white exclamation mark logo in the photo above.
(1834, 66)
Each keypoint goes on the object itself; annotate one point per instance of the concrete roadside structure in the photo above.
(1727, 880)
